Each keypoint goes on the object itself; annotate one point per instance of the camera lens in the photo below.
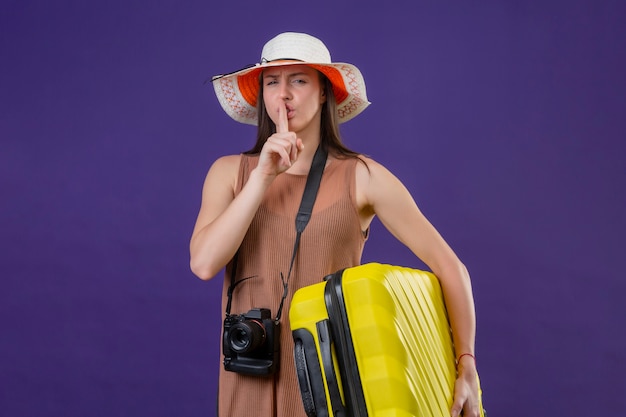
(246, 336)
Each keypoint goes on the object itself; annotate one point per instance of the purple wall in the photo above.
(504, 119)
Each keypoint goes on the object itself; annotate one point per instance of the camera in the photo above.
(251, 342)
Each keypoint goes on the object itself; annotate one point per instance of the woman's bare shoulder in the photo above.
(227, 162)
(368, 168)
(224, 170)
(367, 175)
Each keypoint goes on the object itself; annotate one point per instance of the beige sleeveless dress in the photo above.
(331, 241)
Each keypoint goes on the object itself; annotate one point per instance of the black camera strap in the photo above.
(304, 212)
(314, 178)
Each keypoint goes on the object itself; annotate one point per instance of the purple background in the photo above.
(505, 119)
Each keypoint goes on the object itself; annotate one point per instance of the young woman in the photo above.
(297, 96)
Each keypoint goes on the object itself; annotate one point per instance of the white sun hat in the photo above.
(237, 92)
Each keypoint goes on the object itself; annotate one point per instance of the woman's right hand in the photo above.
(224, 219)
(281, 149)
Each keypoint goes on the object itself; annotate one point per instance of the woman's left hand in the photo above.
(466, 396)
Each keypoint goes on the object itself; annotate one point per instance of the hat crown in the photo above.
(298, 46)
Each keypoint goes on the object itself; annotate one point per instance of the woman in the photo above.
(297, 97)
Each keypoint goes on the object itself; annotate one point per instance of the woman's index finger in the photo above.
(283, 124)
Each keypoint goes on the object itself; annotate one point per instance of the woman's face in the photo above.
(298, 89)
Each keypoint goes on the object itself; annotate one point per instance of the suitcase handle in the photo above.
(325, 340)
(304, 379)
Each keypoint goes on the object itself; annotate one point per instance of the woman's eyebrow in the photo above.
(291, 75)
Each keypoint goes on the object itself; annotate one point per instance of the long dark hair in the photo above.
(330, 138)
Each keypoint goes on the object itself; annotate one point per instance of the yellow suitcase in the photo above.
(374, 340)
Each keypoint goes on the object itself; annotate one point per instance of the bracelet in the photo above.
(465, 354)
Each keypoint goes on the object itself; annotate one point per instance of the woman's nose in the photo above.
(285, 92)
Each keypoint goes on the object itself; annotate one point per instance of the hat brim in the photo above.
(237, 92)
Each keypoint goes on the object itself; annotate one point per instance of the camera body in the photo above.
(251, 343)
